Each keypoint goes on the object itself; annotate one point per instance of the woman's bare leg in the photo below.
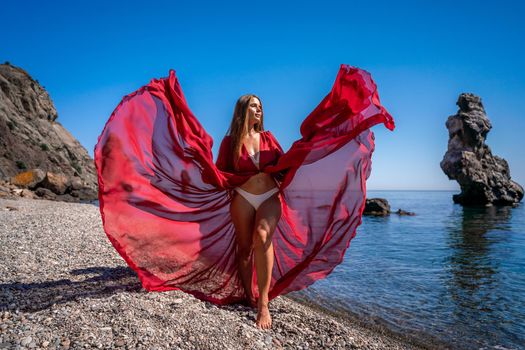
(266, 219)
(243, 217)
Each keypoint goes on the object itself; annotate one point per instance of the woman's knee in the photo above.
(261, 236)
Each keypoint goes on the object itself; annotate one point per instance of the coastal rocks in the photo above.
(45, 193)
(28, 179)
(36, 183)
(377, 206)
(25, 193)
(6, 190)
(380, 207)
(85, 193)
(32, 138)
(484, 178)
(404, 212)
(57, 183)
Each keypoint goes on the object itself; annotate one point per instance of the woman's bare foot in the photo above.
(264, 320)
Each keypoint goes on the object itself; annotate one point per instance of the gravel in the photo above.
(63, 286)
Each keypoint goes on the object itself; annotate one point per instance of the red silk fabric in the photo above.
(165, 203)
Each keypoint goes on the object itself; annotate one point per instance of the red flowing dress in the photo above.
(165, 203)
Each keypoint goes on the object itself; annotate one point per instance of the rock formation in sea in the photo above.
(376, 206)
(38, 156)
(381, 207)
(484, 178)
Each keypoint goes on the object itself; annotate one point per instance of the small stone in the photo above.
(26, 341)
(45, 344)
(268, 340)
(120, 343)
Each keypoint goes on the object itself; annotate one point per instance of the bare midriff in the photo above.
(259, 183)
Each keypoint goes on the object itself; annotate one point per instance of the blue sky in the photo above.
(422, 56)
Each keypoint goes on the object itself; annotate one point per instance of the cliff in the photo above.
(36, 152)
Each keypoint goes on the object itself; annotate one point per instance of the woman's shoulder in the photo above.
(226, 140)
(268, 133)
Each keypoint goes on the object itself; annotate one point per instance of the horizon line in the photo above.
(415, 190)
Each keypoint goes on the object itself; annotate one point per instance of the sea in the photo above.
(450, 276)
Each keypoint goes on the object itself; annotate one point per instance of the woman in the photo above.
(184, 222)
(255, 208)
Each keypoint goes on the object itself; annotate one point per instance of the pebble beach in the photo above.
(63, 286)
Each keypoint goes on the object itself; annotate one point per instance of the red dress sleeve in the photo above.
(224, 158)
(278, 150)
(275, 144)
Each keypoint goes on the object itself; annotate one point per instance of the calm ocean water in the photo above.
(452, 273)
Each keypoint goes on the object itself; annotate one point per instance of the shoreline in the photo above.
(418, 340)
(64, 286)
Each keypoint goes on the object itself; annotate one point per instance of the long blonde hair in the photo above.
(239, 125)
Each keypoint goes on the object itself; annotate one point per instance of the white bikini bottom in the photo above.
(256, 199)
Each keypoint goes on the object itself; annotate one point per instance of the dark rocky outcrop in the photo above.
(376, 206)
(484, 178)
(36, 151)
(380, 207)
(404, 212)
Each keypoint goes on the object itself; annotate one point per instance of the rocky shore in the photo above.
(63, 286)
